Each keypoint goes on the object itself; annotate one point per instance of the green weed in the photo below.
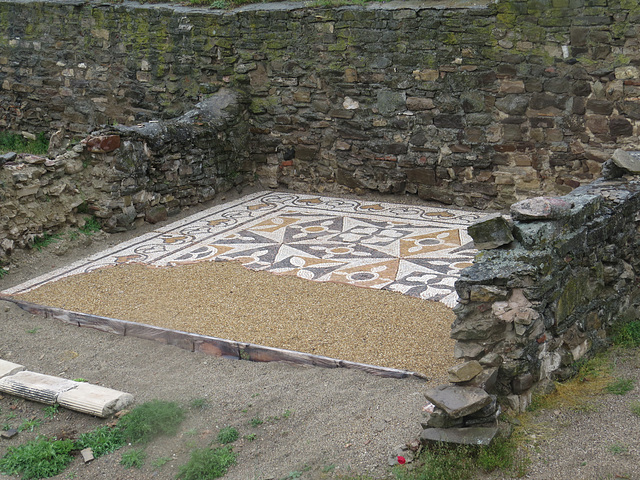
(3, 272)
(30, 425)
(102, 440)
(133, 458)
(160, 462)
(51, 411)
(635, 408)
(80, 380)
(620, 387)
(11, 142)
(44, 241)
(39, 458)
(200, 403)
(33, 330)
(90, 226)
(628, 335)
(228, 435)
(256, 422)
(207, 463)
(617, 449)
(251, 437)
(151, 419)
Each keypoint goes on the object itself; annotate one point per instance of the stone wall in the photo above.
(547, 292)
(123, 175)
(462, 102)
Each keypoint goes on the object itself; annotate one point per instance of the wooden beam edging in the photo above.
(203, 343)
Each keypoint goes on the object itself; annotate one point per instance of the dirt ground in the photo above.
(317, 423)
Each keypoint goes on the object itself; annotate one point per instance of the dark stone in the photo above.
(448, 121)
(600, 107)
(423, 176)
(8, 157)
(620, 127)
(156, 214)
(390, 101)
(306, 152)
(7, 434)
(557, 85)
(464, 435)
(490, 233)
(513, 104)
(458, 401)
(522, 383)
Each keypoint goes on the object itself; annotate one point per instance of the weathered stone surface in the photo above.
(94, 400)
(464, 372)
(156, 214)
(440, 419)
(486, 380)
(628, 161)
(458, 401)
(540, 208)
(465, 436)
(103, 143)
(522, 383)
(35, 386)
(8, 157)
(9, 368)
(492, 232)
(87, 455)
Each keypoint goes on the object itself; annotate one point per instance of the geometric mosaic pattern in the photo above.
(414, 250)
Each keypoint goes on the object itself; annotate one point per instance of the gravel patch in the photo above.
(226, 300)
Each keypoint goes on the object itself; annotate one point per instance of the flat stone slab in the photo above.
(94, 400)
(629, 161)
(9, 368)
(36, 386)
(465, 371)
(458, 401)
(492, 232)
(464, 435)
(540, 208)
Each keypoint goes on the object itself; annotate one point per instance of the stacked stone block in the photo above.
(548, 298)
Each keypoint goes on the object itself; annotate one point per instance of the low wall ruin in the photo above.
(552, 281)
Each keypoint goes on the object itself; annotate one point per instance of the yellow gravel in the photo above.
(226, 300)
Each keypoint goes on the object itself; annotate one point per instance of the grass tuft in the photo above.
(102, 440)
(12, 142)
(150, 420)
(621, 386)
(228, 435)
(207, 463)
(39, 458)
(628, 335)
(133, 458)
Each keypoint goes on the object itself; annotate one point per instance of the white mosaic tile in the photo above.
(414, 250)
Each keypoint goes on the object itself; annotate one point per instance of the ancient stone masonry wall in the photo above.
(123, 175)
(475, 105)
(552, 282)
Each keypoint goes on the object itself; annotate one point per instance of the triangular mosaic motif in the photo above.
(412, 249)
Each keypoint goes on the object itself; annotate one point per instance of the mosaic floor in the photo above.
(414, 250)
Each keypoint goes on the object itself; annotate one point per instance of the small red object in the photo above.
(401, 460)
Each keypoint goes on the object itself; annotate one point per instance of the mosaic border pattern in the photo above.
(414, 250)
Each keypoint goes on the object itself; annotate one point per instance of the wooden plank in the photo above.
(103, 324)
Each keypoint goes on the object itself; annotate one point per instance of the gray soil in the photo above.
(317, 423)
